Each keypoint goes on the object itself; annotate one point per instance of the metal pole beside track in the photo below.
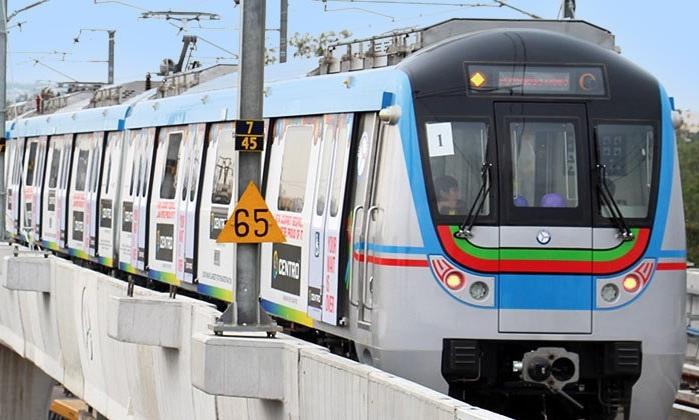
(3, 106)
(283, 24)
(110, 71)
(246, 314)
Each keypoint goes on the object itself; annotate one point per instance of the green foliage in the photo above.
(688, 150)
(308, 46)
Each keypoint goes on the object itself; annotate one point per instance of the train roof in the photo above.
(288, 85)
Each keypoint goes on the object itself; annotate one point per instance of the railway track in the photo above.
(687, 400)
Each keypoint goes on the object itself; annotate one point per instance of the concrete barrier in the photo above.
(67, 334)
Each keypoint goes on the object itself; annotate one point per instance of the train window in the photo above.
(31, 164)
(64, 172)
(93, 169)
(457, 150)
(108, 166)
(329, 131)
(145, 173)
(81, 173)
(544, 164)
(626, 150)
(223, 169)
(169, 183)
(194, 178)
(341, 151)
(294, 174)
(55, 166)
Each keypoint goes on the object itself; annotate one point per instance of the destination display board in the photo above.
(535, 80)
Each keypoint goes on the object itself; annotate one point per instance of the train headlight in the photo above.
(631, 283)
(478, 290)
(610, 292)
(455, 280)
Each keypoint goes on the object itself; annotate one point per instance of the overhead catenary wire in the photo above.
(495, 3)
(36, 61)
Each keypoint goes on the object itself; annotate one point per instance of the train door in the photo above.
(62, 190)
(545, 218)
(141, 209)
(109, 197)
(93, 192)
(132, 201)
(187, 206)
(216, 262)
(364, 217)
(52, 212)
(32, 179)
(128, 184)
(14, 186)
(79, 214)
(168, 181)
(326, 219)
(293, 166)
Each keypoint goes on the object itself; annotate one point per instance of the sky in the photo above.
(662, 37)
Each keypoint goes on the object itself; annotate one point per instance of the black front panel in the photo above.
(543, 163)
(536, 67)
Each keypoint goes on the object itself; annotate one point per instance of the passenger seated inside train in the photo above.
(448, 193)
(553, 200)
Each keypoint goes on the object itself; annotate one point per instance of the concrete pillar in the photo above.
(25, 390)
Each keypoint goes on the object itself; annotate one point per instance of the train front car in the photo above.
(555, 230)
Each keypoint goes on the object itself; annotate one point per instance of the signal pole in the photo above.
(3, 106)
(110, 64)
(569, 9)
(246, 314)
(283, 21)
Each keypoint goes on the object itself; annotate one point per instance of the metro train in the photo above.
(497, 215)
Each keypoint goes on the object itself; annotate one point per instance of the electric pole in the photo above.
(283, 20)
(569, 9)
(3, 106)
(246, 314)
(110, 71)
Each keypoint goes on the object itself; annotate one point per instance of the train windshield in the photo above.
(544, 164)
(457, 151)
(627, 151)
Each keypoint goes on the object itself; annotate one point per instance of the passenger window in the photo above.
(108, 165)
(627, 152)
(297, 152)
(81, 173)
(31, 164)
(94, 168)
(223, 167)
(341, 151)
(328, 143)
(55, 166)
(544, 164)
(169, 177)
(194, 179)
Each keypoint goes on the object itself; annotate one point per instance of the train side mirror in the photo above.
(677, 120)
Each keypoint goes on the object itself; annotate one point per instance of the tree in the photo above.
(688, 151)
(309, 46)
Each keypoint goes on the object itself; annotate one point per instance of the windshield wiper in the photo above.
(464, 231)
(607, 198)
